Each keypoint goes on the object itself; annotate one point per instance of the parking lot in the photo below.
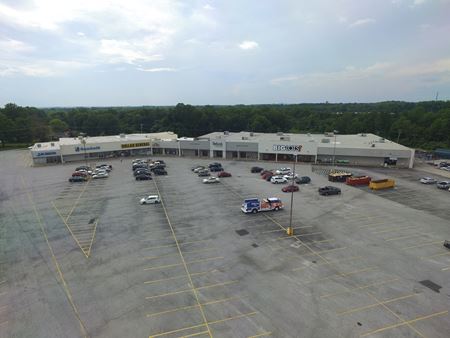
(86, 259)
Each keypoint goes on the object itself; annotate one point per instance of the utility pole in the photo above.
(82, 138)
(398, 135)
(290, 229)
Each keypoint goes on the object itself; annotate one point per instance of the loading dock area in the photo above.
(89, 260)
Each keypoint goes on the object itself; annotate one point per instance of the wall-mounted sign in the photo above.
(281, 147)
(87, 148)
(135, 145)
(217, 144)
(46, 153)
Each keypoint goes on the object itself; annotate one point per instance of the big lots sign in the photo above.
(286, 147)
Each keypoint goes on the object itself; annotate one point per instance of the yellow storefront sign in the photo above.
(135, 145)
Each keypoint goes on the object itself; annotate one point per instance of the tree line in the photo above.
(424, 125)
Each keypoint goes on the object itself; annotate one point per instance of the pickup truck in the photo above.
(255, 205)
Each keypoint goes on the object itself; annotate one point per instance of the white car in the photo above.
(278, 179)
(199, 168)
(283, 171)
(211, 179)
(446, 168)
(100, 175)
(151, 199)
(290, 175)
(427, 180)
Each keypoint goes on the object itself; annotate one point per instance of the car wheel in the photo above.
(254, 211)
(277, 208)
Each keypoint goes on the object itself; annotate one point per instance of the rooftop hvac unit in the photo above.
(279, 133)
(285, 138)
(226, 132)
(251, 133)
(52, 144)
(325, 140)
(381, 140)
(244, 137)
(373, 145)
(38, 145)
(328, 134)
(122, 135)
(363, 134)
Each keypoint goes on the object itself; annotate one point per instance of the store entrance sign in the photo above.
(287, 147)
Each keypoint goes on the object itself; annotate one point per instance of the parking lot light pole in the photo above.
(290, 229)
(334, 150)
(83, 142)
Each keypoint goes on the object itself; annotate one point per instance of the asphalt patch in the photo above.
(242, 232)
(429, 284)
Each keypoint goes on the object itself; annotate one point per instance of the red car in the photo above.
(265, 172)
(267, 175)
(79, 173)
(290, 188)
(224, 174)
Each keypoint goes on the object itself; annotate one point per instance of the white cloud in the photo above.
(155, 70)
(43, 68)
(10, 46)
(126, 52)
(208, 7)
(362, 22)
(436, 71)
(246, 45)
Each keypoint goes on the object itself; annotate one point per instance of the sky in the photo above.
(135, 52)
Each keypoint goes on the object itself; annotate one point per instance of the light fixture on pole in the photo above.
(290, 229)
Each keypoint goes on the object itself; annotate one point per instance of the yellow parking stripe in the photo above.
(233, 318)
(263, 334)
(405, 322)
(359, 288)
(437, 255)
(340, 313)
(420, 245)
(195, 334)
(190, 307)
(55, 261)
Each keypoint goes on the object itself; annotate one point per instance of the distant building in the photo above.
(442, 153)
(359, 149)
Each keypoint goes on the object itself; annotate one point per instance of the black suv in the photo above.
(302, 180)
(143, 177)
(142, 171)
(77, 179)
(329, 190)
(256, 169)
(215, 168)
(159, 171)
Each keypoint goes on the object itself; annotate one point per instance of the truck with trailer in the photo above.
(382, 184)
(358, 180)
(338, 176)
(255, 205)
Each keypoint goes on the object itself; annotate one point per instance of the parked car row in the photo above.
(445, 185)
(443, 166)
(203, 171)
(143, 169)
(282, 176)
(84, 173)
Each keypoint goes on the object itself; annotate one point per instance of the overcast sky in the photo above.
(133, 52)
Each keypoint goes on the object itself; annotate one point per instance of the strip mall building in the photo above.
(360, 149)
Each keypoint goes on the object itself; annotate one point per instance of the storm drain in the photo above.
(242, 232)
(429, 284)
(255, 245)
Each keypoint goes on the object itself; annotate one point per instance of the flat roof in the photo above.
(362, 140)
(166, 136)
(46, 146)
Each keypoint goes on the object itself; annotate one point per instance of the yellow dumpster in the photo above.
(382, 184)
